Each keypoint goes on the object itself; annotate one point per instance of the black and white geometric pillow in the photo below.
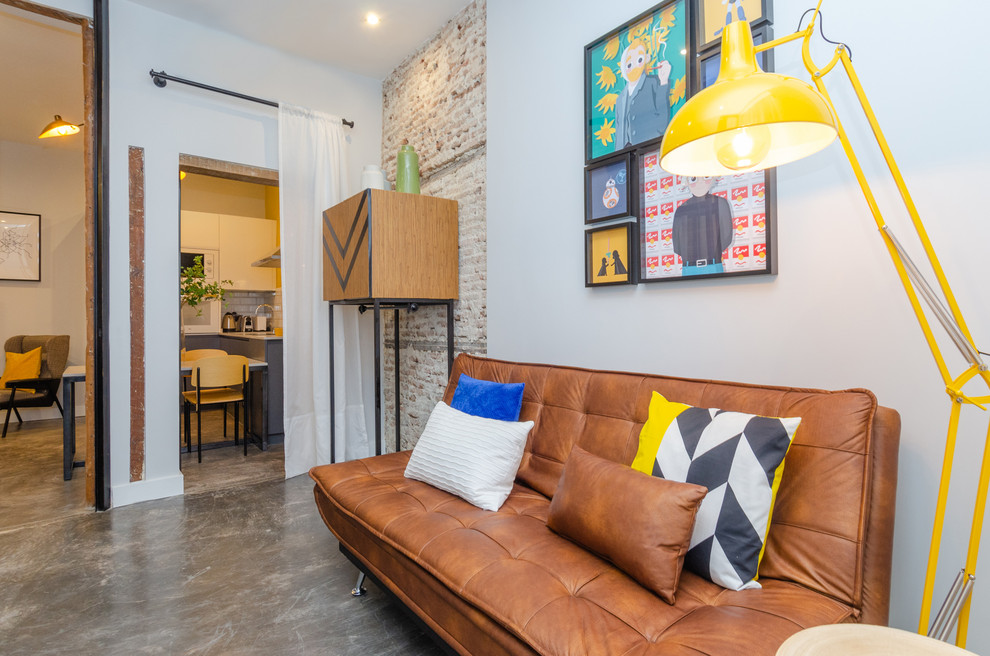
(739, 457)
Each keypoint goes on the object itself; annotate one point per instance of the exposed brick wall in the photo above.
(435, 101)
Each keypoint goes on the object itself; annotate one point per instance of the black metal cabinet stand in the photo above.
(377, 305)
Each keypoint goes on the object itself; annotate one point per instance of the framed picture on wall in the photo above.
(610, 256)
(700, 227)
(20, 246)
(609, 189)
(636, 78)
(714, 15)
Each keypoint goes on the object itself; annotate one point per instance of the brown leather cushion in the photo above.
(639, 522)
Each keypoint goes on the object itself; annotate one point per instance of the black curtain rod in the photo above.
(161, 79)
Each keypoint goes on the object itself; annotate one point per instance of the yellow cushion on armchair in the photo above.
(20, 366)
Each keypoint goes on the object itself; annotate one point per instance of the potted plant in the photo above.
(193, 290)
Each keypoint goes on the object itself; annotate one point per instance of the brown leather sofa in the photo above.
(503, 583)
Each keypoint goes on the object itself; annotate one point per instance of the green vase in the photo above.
(407, 170)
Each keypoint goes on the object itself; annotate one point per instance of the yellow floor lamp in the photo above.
(749, 120)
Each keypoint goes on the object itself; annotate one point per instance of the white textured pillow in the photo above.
(473, 457)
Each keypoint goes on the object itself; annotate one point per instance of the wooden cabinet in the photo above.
(390, 245)
(242, 241)
(199, 230)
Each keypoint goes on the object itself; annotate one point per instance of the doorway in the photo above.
(52, 58)
(229, 215)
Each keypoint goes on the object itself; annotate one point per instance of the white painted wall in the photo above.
(835, 315)
(181, 119)
(49, 182)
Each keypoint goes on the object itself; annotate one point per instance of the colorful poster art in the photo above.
(607, 190)
(607, 255)
(702, 227)
(716, 14)
(635, 80)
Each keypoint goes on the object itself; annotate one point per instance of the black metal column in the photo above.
(101, 256)
(395, 322)
(378, 377)
(450, 338)
(333, 396)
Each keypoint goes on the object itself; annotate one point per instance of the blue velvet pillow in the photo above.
(484, 398)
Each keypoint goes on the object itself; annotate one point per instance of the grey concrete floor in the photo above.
(247, 569)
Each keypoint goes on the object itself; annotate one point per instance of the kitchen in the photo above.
(233, 225)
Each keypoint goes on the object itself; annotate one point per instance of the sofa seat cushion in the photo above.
(535, 583)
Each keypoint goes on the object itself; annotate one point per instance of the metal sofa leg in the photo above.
(18, 415)
(359, 589)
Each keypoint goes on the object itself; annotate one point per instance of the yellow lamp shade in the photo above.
(58, 128)
(748, 119)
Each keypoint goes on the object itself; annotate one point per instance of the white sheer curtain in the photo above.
(312, 156)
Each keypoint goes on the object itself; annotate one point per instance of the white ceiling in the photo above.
(332, 32)
(41, 75)
(41, 58)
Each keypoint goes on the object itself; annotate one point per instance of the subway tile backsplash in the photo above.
(247, 302)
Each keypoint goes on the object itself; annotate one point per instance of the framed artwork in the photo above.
(704, 227)
(20, 246)
(609, 189)
(714, 15)
(709, 64)
(609, 255)
(636, 78)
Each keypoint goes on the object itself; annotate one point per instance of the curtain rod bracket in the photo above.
(161, 78)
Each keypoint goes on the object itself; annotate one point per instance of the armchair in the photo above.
(43, 389)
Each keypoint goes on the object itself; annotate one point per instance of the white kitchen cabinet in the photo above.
(244, 240)
(199, 230)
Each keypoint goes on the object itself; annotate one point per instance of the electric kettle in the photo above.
(229, 322)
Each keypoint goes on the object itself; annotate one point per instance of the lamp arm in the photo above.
(951, 319)
(871, 201)
(905, 195)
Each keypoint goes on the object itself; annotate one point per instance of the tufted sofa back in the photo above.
(840, 475)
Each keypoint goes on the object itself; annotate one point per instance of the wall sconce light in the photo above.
(59, 128)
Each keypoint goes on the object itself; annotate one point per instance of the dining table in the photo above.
(77, 374)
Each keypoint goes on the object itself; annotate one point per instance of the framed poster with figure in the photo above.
(608, 189)
(714, 15)
(20, 246)
(609, 255)
(693, 227)
(636, 78)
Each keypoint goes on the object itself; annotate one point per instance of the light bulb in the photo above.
(743, 148)
(372, 19)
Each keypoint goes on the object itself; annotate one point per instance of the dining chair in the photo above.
(199, 354)
(216, 380)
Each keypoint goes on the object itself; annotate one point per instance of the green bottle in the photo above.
(407, 170)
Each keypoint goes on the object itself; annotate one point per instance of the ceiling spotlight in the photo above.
(59, 128)
(372, 18)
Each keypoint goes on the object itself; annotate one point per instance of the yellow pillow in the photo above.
(20, 366)
(739, 457)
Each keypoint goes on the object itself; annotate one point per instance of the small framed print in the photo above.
(20, 246)
(609, 189)
(610, 256)
(714, 15)
(704, 227)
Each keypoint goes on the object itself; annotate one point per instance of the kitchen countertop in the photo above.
(259, 336)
